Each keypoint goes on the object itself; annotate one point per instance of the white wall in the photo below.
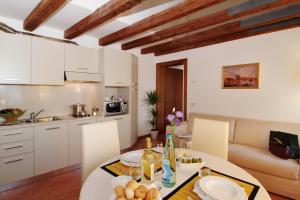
(279, 95)
(56, 100)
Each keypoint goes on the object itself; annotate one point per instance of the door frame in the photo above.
(160, 78)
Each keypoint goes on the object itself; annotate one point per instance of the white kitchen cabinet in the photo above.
(117, 67)
(47, 62)
(15, 59)
(16, 168)
(133, 111)
(51, 147)
(75, 140)
(16, 134)
(133, 101)
(134, 71)
(15, 148)
(123, 129)
(81, 59)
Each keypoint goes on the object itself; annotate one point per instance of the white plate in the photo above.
(120, 180)
(130, 164)
(221, 188)
(132, 157)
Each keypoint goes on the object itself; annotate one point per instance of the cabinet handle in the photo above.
(49, 129)
(83, 124)
(15, 147)
(12, 161)
(118, 118)
(10, 134)
(11, 79)
(134, 83)
(134, 89)
(83, 68)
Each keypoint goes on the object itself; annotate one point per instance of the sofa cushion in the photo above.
(263, 161)
(256, 132)
(230, 120)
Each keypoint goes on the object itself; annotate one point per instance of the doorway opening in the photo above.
(171, 87)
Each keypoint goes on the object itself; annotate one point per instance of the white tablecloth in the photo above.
(98, 184)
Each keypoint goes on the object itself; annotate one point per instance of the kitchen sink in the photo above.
(42, 119)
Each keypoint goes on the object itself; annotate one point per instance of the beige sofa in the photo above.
(248, 148)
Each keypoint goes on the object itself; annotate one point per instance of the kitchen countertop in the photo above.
(64, 119)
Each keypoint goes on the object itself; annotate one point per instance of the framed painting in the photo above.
(245, 76)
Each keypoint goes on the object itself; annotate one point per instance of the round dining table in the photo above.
(98, 183)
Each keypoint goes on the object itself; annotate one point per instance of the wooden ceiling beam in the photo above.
(239, 11)
(276, 16)
(103, 14)
(163, 17)
(43, 11)
(288, 24)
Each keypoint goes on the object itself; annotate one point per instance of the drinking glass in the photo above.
(185, 150)
(158, 172)
(134, 172)
(160, 147)
(188, 152)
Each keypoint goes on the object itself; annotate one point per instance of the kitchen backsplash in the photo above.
(56, 100)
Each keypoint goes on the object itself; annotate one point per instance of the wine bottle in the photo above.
(169, 164)
(147, 164)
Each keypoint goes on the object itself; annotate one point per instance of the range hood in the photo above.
(83, 77)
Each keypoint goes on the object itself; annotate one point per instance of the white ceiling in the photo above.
(75, 10)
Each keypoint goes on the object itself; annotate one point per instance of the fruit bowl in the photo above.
(11, 115)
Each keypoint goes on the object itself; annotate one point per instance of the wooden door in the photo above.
(173, 90)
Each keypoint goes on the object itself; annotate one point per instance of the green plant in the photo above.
(151, 101)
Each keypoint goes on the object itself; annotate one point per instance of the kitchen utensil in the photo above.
(79, 110)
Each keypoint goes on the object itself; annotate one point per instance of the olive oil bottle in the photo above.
(147, 164)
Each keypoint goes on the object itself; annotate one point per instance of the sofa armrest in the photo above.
(180, 130)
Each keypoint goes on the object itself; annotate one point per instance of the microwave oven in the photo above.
(115, 107)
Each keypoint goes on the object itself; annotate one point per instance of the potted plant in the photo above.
(151, 101)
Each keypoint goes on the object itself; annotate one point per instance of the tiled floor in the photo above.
(62, 187)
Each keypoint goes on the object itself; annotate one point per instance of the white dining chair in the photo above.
(100, 142)
(210, 136)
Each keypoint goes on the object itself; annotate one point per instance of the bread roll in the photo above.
(120, 191)
(129, 193)
(122, 198)
(132, 184)
(140, 192)
(152, 194)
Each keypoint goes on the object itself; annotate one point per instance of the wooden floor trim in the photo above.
(19, 183)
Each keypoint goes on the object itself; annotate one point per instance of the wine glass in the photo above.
(159, 147)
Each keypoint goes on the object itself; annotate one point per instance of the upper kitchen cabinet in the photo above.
(117, 67)
(81, 59)
(15, 59)
(47, 62)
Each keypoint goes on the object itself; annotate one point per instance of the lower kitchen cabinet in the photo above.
(51, 147)
(17, 167)
(123, 129)
(75, 140)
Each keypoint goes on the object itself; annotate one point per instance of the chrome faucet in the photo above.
(33, 115)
